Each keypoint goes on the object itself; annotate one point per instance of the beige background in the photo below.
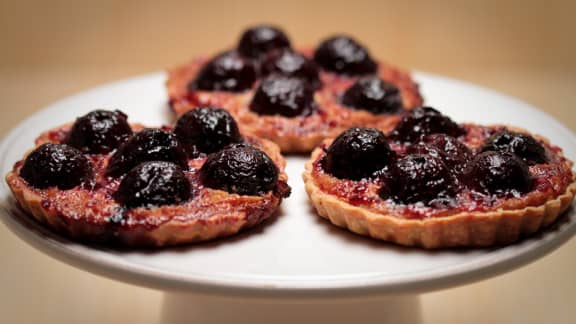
(51, 49)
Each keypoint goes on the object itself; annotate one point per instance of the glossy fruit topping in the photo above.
(454, 153)
(292, 64)
(56, 165)
(343, 55)
(285, 96)
(358, 153)
(423, 121)
(154, 183)
(240, 169)
(148, 145)
(374, 95)
(494, 172)
(261, 40)
(524, 146)
(419, 178)
(99, 131)
(226, 72)
(206, 130)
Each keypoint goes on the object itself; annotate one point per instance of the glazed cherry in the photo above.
(358, 153)
(261, 40)
(240, 169)
(419, 178)
(292, 64)
(56, 165)
(423, 121)
(154, 183)
(524, 146)
(206, 130)
(148, 145)
(285, 96)
(454, 153)
(494, 172)
(343, 55)
(99, 131)
(226, 72)
(374, 95)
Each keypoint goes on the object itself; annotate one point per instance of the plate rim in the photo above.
(75, 254)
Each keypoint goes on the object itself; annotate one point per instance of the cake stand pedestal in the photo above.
(209, 309)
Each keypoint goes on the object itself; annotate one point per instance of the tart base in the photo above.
(466, 229)
(172, 232)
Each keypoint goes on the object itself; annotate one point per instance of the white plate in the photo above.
(296, 253)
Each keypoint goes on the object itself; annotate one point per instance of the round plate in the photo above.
(295, 253)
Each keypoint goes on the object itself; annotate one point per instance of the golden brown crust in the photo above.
(209, 215)
(503, 225)
(297, 134)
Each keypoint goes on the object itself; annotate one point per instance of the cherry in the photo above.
(374, 95)
(498, 173)
(227, 71)
(342, 54)
(358, 153)
(419, 178)
(240, 169)
(154, 183)
(99, 131)
(285, 96)
(206, 130)
(524, 146)
(454, 153)
(292, 64)
(260, 40)
(56, 165)
(148, 145)
(423, 121)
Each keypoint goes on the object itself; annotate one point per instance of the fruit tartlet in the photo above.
(433, 183)
(295, 98)
(105, 181)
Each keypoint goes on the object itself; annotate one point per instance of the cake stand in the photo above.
(296, 267)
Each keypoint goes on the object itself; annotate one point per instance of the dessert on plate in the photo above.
(103, 180)
(295, 98)
(433, 183)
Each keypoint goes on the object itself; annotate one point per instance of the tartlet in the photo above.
(476, 186)
(150, 199)
(325, 77)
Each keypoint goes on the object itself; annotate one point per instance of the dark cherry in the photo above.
(358, 153)
(206, 130)
(524, 146)
(148, 145)
(342, 54)
(56, 165)
(260, 40)
(228, 71)
(374, 95)
(285, 96)
(154, 183)
(454, 153)
(419, 178)
(498, 173)
(423, 121)
(99, 131)
(241, 169)
(292, 64)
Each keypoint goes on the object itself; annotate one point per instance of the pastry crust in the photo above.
(297, 134)
(87, 215)
(497, 226)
